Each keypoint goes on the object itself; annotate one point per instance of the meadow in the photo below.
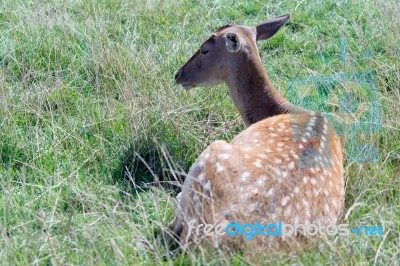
(95, 136)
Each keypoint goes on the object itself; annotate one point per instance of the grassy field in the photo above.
(94, 134)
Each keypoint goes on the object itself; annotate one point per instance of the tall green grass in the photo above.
(95, 137)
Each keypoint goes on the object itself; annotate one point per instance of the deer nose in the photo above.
(178, 74)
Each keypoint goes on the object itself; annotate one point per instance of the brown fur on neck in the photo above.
(253, 93)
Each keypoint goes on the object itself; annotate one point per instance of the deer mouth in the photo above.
(188, 86)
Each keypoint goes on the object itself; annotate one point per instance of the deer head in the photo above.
(225, 51)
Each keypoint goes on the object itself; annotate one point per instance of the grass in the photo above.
(94, 134)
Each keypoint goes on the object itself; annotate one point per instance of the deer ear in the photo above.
(268, 28)
(232, 42)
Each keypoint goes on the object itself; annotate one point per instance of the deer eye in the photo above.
(204, 52)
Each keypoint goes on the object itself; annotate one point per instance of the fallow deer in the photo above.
(286, 166)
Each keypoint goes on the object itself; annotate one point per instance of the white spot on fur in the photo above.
(224, 156)
(219, 168)
(270, 192)
(277, 171)
(258, 164)
(201, 177)
(326, 208)
(244, 177)
(284, 201)
(325, 130)
(207, 186)
(260, 181)
(305, 202)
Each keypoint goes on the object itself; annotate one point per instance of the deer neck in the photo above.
(253, 93)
